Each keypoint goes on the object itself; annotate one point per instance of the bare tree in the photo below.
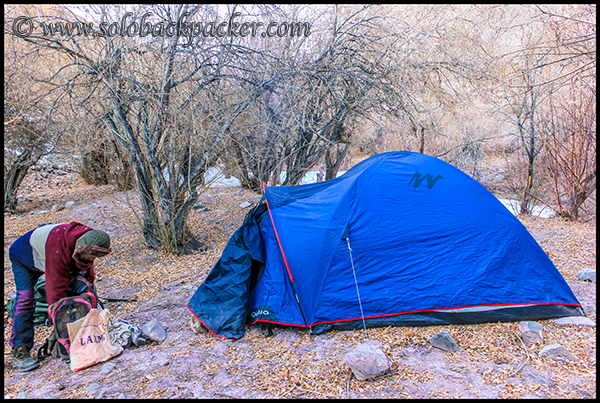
(33, 114)
(518, 69)
(164, 100)
(525, 112)
(571, 149)
(533, 58)
(26, 140)
(179, 103)
(570, 124)
(360, 64)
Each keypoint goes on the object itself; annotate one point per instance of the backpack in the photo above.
(67, 310)
(40, 314)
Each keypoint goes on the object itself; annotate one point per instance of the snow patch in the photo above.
(309, 177)
(514, 206)
(215, 178)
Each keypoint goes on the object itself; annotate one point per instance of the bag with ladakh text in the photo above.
(91, 345)
(63, 312)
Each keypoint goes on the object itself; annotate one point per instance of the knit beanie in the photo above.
(95, 238)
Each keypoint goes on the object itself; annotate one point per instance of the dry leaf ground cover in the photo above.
(491, 361)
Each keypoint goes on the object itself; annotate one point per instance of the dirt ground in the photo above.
(491, 361)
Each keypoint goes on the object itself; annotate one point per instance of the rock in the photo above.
(60, 172)
(69, 205)
(197, 326)
(56, 207)
(22, 395)
(575, 320)
(154, 330)
(200, 207)
(140, 339)
(245, 204)
(531, 332)
(367, 361)
(587, 275)
(121, 396)
(107, 368)
(444, 341)
(110, 262)
(557, 351)
(90, 388)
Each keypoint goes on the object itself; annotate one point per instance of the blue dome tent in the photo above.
(401, 239)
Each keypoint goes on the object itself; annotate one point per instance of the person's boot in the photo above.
(22, 360)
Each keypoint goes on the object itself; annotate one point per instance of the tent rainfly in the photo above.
(401, 239)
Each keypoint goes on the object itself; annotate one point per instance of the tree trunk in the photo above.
(571, 208)
(420, 136)
(531, 154)
(309, 152)
(94, 167)
(332, 163)
(13, 178)
(525, 199)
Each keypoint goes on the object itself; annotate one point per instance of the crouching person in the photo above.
(61, 252)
